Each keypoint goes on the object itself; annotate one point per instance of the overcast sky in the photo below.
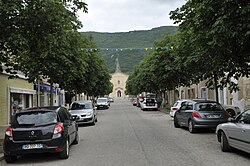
(127, 15)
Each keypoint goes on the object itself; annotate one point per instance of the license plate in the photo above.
(213, 116)
(32, 146)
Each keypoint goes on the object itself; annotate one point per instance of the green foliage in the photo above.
(40, 39)
(213, 45)
(159, 71)
(215, 39)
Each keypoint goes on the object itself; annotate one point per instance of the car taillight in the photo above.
(8, 132)
(175, 109)
(226, 114)
(58, 128)
(196, 114)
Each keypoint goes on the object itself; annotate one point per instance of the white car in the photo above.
(149, 103)
(102, 103)
(176, 106)
(232, 110)
(235, 133)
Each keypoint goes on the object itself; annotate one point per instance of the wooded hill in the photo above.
(130, 47)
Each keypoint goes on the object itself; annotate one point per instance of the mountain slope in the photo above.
(129, 47)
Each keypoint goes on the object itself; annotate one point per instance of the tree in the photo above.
(9, 36)
(160, 70)
(216, 40)
(43, 38)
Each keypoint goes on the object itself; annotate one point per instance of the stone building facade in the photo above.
(240, 98)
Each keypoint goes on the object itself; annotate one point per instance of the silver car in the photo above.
(102, 103)
(84, 111)
(235, 133)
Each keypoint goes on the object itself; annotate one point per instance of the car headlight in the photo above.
(89, 113)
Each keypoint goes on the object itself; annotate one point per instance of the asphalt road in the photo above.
(126, 136)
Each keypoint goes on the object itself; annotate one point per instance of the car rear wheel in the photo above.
(224, 143)
(176, 124)
(191, 128)
(65, 153)
(10, 159)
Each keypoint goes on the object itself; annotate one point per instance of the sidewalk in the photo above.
(2, 132)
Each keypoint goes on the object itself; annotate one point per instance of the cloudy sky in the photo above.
(127, 15)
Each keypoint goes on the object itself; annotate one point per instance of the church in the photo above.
(119, 82)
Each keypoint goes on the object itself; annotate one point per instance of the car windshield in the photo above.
(150, 100)
(101, 100)
(35, 118)
(208, 107)
(175, 104)
(77, 106)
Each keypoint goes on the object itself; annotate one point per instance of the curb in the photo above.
(164, 111)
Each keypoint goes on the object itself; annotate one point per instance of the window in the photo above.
(175, 104)
(102, 100)
(35, 118)
(189, 106)
(244, 117)
(183, 106)
(204, 93)
(208, 107)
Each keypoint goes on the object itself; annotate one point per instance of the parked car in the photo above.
(84, 112)
(149, 103)
(139, 100)
(196, 114)
(102, 103)
(39, 130)
(176, 106)
(235, 133)
(111, 99)
(232, 110)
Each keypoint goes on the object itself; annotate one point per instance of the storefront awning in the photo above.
(23, 91)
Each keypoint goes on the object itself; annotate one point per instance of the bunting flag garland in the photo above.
(130, 49)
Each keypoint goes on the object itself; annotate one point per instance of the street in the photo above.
(126, 136)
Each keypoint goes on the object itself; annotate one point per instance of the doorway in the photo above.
(119, 93)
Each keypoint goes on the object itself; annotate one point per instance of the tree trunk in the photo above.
(75, 95)
(51, 94)
(216, 88)
(38, 92)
